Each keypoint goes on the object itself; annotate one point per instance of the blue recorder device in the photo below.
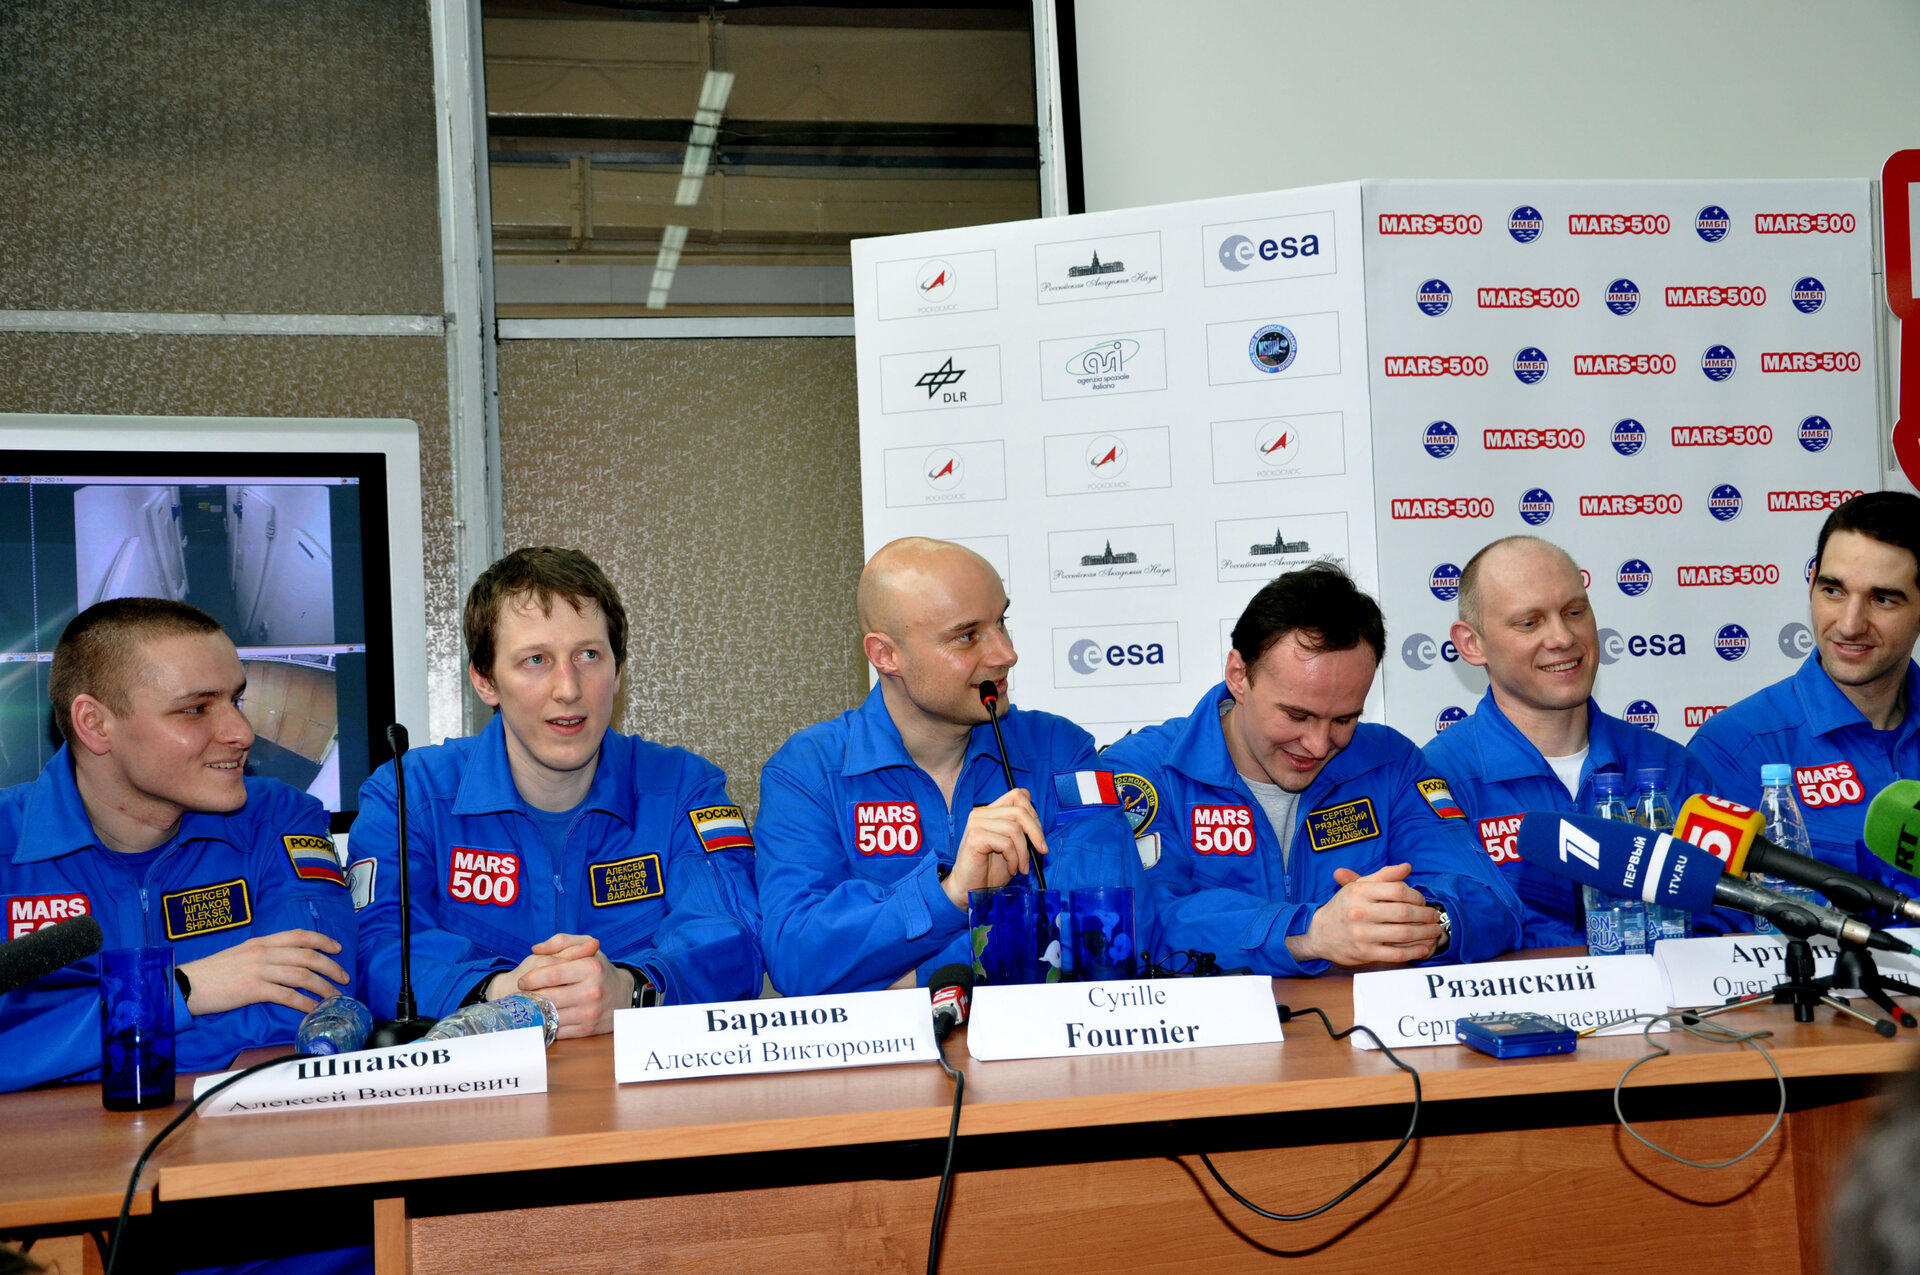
(1515, 1035)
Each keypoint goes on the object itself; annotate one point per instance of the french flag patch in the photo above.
(1083, 788)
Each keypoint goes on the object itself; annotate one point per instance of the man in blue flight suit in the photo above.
(1536, 739)
(874, 825)
(1284, 836)
(1847, 722)
(550, 853)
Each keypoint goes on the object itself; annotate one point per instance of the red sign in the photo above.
(1897, 182)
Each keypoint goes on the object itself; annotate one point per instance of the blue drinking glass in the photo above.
(136, 1028)
(1101, 921)
(1016, 935)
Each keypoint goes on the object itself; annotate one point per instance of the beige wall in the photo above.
(718, 483)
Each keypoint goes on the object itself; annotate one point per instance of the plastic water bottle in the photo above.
(339, 1025)
(509, 1013)
(1787, 829)
(1652, 808)
(1615, 926)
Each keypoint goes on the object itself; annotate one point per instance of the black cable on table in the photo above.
(946, 1174)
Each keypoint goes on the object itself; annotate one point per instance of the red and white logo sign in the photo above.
(1619, 224)
(483, 876)
(1624, 364)
(1436, 365)
(1222, 830)
(1697, 714)
(1528, 298)
(1809, 360)
(1618, 506)
(886, 827)
(1800, 223)
(1731, 294)
(1430, 223)
(29, 912)
(1530, 440)
(1695, 577)
(1498, 835)
(1722, 435)
(1834, 785)
(1443, 507)
(1781, 502)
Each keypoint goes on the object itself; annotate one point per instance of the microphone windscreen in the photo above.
(397, 738)
(1893, 825)
(42, 952)
(989, 693)
(954, 975)
(1722, 828)
(1620, 858)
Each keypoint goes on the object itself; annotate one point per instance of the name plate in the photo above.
(482, 1066)
(1707, 972)
(1419, 1006)
(1071, 1020)
(794, 1033)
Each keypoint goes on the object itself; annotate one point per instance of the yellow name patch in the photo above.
(1342, 825)
(627, 880)
(206, 909)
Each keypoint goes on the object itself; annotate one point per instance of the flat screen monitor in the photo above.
(289, 548)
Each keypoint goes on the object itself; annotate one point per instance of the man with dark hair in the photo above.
(145, 820)
(1281, 834)
(549, 853)
(1537, 739)
(1847, 722)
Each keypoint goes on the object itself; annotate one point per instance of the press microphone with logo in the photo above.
(990, 696)
(51, 948)
(1640, 863)
(1893, 826)
(952, 988)
(406, 1026)
(1731, 832)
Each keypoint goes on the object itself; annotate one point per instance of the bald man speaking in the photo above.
(874, 825)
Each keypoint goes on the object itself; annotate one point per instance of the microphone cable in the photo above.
(1287, 1015)
(946, 1174)
(126, 1202)
(1704, 1029)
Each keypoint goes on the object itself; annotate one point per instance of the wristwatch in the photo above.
(1446, 925)
(184, 983)
(645, 994)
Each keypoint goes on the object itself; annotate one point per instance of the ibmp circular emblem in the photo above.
(1530, 365)
(1273, 348)
(1731, 642)
(1718, 363)
(1536, 506)
(1525, 223)
(1724, 502)
(1623, 296)
(1809, 294)
(1634, 577)
(1451, 715)
(1435, 298)
(1628, 436)
(1444, 581)
(1815, 433)
(1643, 714)
(1712, 223)
(1440, 439)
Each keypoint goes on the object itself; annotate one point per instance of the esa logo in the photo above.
(1420, 651)
(1087, 655)
(1731, 642)
(1629, 436)
(1116, 655)
(1435, 298)
(1525, 223)
(1623, 296)
(1237, 252)
(1643, 714)
(1815, 433)
(1444, 581)
(1634, 577)
(1717, 363)
(1536, 506)
(1712, 223)
(1724, 502)
(1451, 715)
(1809, 294)
(1530, 365)
(1796, 640)
(1613, 646)
(1441, 438)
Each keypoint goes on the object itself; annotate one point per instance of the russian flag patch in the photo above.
(1441, 799)
(1082, 788)
(314, 859)
(721, 828)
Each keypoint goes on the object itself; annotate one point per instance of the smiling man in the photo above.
(874, 825)
(550, 853)
(1536, 739)
(1283, 834)
(1847, 722)
(145, 819)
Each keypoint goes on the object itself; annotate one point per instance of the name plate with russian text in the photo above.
(793, 1033)
(1420, 1006)
(1712, 971)
(1072, 1020)
(484, 1066)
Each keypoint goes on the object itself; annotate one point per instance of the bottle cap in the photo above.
(1650, 777)
(1608, 781)
(1779, 772)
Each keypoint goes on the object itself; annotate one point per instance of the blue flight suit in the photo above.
(223, 879)
(1497, 775)
(658, 867)
(850, 906)
(1364, 810)
(1839, 760)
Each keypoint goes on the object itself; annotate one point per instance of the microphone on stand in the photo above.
(406, 1025)
(990, 696)
(1732, 832)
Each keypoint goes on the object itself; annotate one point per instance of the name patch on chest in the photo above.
(1835, 784)
(886, 827)
(627, 880)
(206, 909)
(29, 912)
(1222, 829)
(483, 876)
(1342, 825)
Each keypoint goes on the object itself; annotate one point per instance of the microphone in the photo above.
(990, 696)
(1893, 826)
(952, 988)
(55, 947)
(1731, 832)
(1640, 863)
(406, 1026)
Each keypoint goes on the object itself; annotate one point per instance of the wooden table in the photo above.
(1064, 1165)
